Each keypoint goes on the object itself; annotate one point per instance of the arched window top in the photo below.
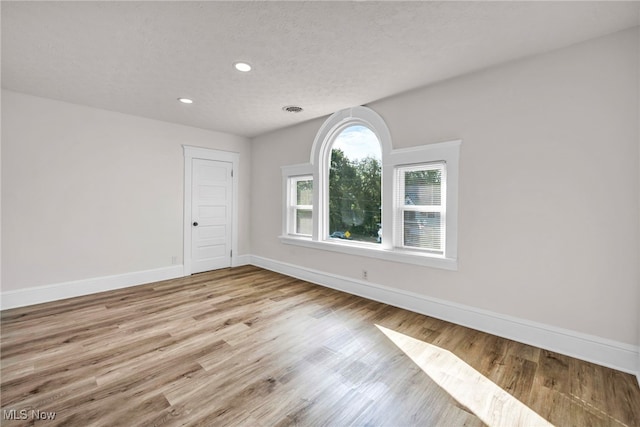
(342, 121)
(358, 142)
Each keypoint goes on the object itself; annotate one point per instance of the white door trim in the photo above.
(191, 153)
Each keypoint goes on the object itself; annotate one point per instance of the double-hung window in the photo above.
(420, 207)
(300, 219)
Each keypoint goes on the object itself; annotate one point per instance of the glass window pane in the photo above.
(304, 221)
(423, 187)
(304, 192)
(422, 230)
(355, 185)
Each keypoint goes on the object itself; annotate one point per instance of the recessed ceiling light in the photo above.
(292, 109)
(186, 100)
(242, 66)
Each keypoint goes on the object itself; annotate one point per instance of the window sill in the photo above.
(394, 255)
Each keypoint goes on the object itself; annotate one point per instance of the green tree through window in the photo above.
(355, 185)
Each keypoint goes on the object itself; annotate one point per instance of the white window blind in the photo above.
(421, 207)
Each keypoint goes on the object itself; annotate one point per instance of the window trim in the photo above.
(447, 152)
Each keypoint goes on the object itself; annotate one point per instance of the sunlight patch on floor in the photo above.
(494, 406)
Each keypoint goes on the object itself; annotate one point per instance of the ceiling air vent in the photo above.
(292, 109)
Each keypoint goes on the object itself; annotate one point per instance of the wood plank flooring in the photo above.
(250, 347)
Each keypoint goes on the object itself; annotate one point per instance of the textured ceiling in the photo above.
(138, 57)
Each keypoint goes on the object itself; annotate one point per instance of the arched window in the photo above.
(372, 200)
(355, 185)
(346, 160)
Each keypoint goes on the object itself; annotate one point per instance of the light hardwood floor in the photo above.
(246, 346)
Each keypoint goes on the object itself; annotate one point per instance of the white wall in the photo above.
(88, 193)
(549, 189)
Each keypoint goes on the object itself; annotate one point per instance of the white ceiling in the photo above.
(138, 57)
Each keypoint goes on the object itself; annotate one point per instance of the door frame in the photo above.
(191, 153)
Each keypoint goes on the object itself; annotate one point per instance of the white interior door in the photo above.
(211, 214)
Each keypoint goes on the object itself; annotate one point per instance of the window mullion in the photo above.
(423, 208)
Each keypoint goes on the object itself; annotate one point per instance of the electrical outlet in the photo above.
(174, 260)
(365, 275)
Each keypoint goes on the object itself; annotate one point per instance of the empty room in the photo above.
(320, 213)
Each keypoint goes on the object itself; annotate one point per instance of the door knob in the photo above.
(195, 224)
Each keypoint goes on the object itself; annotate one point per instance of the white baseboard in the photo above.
(76, 288)
(240, 260)
(58, 291)
(613, 354)
(605, 352)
